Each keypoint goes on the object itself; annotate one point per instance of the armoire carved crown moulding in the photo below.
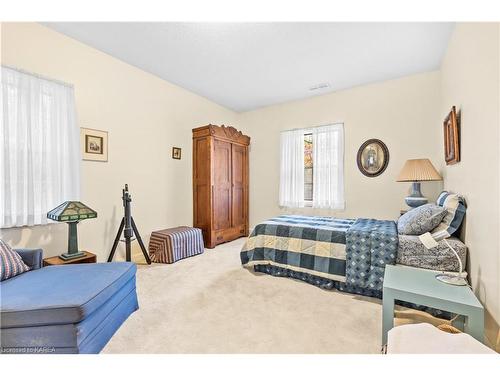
(222, 131)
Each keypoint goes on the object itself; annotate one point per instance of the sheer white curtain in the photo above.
(328, 162)
(292, 169)
(39, 147)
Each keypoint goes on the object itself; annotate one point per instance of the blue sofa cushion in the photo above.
(61, 294)
(87, 336)
(33, 258)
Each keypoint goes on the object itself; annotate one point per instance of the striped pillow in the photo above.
(455, 205)
(11, 263)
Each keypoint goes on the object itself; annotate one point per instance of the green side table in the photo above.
(420, 286)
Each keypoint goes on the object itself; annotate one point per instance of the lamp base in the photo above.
(415, 199)
(452, 280)
(68, 256)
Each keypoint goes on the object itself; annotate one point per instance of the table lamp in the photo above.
(415, 171)
(72, 212)
(430, 242)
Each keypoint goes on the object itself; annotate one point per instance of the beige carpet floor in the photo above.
(210, 304)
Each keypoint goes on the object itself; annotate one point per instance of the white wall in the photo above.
(144, 115)
(470, 81)
(403, 113)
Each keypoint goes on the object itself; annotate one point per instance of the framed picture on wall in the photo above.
(373, 158)
(451, 138)
(94, 144)
(176, 153)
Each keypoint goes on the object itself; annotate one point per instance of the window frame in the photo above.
(309, 202)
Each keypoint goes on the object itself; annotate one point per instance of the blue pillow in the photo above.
(421, 219)
(455, 207)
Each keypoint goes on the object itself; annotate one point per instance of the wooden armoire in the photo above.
(220, 183)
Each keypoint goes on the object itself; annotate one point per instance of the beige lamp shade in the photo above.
(418, 170)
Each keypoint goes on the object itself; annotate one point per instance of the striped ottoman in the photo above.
(171, 245)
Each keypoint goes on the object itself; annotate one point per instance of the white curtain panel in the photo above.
(39, 148)
(292, 169)
(328, 166)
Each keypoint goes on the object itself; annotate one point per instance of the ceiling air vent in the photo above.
(321, 86)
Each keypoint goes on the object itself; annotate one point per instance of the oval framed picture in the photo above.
(373, 157)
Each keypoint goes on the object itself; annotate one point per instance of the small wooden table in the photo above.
(421, 287)
(55, 261)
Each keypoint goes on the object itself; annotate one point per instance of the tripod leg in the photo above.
(139, 239)
(117, 239)
(127, 250)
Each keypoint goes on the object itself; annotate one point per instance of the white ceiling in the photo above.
(244, 66)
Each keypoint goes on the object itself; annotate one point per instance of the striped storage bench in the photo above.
(171, 245)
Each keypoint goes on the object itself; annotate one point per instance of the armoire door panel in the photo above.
(222, 185)
(222, 163)
(237, 208)
(238, 164)
(238, 184)
(222, 209)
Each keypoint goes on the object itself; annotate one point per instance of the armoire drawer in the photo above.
(230, 234)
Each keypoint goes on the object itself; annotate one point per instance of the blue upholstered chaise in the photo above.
(65, 309)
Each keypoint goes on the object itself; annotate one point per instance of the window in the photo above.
(39, 148)
(312, 167)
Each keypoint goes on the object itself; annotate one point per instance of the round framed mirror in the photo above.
(373, 157)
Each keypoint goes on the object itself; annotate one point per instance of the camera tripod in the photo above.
(128, 227)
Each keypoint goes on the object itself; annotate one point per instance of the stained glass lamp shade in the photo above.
(72, 212)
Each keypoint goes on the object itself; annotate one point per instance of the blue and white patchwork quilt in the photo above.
(370, 245)
(345, 250)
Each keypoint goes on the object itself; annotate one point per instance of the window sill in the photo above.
(28, 226)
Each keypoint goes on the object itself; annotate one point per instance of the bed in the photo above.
(346, 254)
